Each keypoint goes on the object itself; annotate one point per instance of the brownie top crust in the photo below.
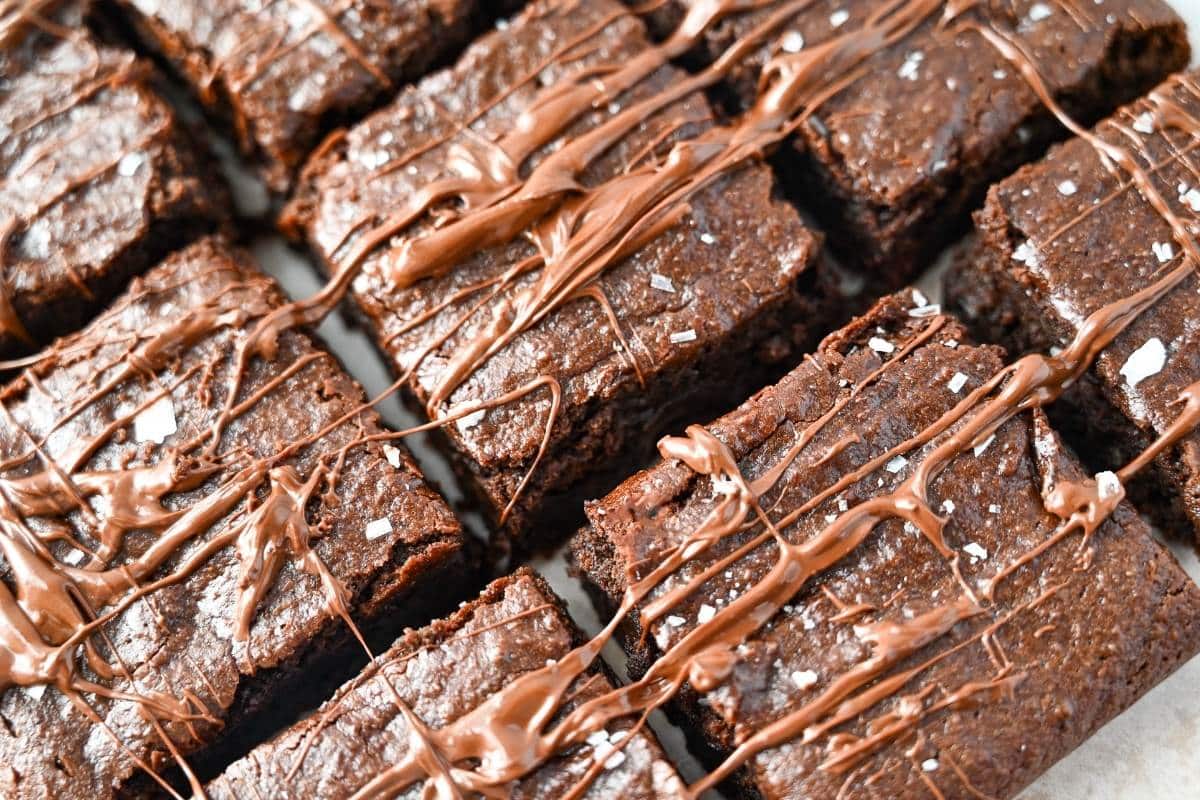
(1077, 233)
(514, 230)
(92, 165)
(955, 645)
(911, 135)
(439, 675)
(172, 552)
(284, 71)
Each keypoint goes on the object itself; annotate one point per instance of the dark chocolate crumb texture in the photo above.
(900, 150)
(553, 243)
(178, 559)
(1071, 233)
(441, 679)
(282, 73)
(881, 585)
(97, 179)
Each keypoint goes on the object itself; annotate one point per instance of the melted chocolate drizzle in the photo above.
(55, 612)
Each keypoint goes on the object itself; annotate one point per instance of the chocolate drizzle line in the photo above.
(56, 610)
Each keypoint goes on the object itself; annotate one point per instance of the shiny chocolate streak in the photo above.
(57, 609)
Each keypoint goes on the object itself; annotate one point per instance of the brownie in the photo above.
(283, 73)
(441, 674)
(916, 130)
(98, 180)
(911, 659)
(253, 526)
(716, 290)
(1063, 237)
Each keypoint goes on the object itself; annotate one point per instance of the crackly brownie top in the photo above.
(283, 67)
(467, 146)
(250, 524)
(940, 100)
(440, 674)
(1079, 234)
(88, 157)
(962, 650)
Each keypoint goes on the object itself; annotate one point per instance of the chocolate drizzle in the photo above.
(54, 610)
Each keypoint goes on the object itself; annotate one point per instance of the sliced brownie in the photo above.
(97, 179)
(441, 674)
(283, 73)
(913, 659)
(1065, 236)
(894, 160)
(706, 292)
(252, 526)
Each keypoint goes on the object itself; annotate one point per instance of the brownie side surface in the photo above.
(441, 673)
(1065, 236)
(896, 158)
(125, 466)
(1069, 637)
(707, 308)
(98, 180)
(282, 74)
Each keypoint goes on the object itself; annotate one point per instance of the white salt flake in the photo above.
(930, 765)
(74, 558)
(1144, 122)
(675, 620)
(957, 382)
(1109, 485)
(155, 422)
(661, 282)
(597, 738)
(680, 337)
(392, 454)
(705, 614)
(999, 74)
(792, 42)
(1147, 360)
(838, 18)
(919, 297)
(129, 164)
(804, 679)
(615, 760)
(378, 527)
(1027, 254)
(976, 551)
(951, 343)
(880, 345)
(465, 423)
(36, 691)
(1192, 198)
(896, 464)
(910, 69)
(708, 238)
(929, 310)
(994, 508)
(1067, 188)
(948, 506)
(1039, 12)
(1163, 251)
(984, 445)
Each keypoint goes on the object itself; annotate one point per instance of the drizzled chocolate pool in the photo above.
(436, 676)
(98, 181)
(554, 242)
(1068, 234)
(282, 73)
(906, 143)
(855, 617)
(178, 562)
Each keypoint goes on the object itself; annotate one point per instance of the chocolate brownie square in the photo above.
(605, 304)
(925, 113)
(180, 565)
(940, 607)
(98, 180)
(1062, 238)
(358, 740)
(283, 73)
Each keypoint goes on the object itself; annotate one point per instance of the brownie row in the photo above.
(460, 219)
